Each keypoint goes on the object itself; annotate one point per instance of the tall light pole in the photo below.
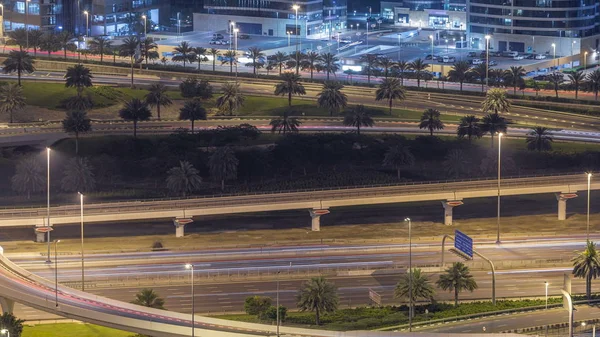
(231, 27)
(487, 58)
(295, 8)
(27, 23)
(277, 303)
(410, 295)
(589, 179)
(235, 35)
(48, 201)
(585, 60)
(432, 56)
(145, 24)
(546, 283)
(2, 8)
(572, 44)
(499, 161)
(178, 25)
(191, 268)
(5, 332)
(289, 34)
(56, 271)
(82, 256)
(446, 46)
(87, 23)
(554, 57)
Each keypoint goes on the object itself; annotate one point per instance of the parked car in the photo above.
(214, 42)
(530, 56)
(510, 53)
(493, 63)
(472, 54)
(428, 57)
(518, 57)
(476, 61)
(345, 40)
(217, 36)
(540, 78)
(244, 36)
(540, 57)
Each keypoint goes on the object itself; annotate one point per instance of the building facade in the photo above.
(34, 14)
(534, 26)
(273, 18)
(442, 14)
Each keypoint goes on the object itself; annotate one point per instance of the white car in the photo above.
(518, 57)
(540, 57)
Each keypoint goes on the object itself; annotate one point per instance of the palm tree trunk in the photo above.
(222, 184)
(398, 172)
(192, 126)
(556, 90)
(358, 129)
(135, 129)
(280, 64)
(431, 131)
(101, 56)
(290, 98)
(19, 75)
(230, 66)
(456, 296)
(482, 84)
(369, 76)
(65, 52)
(317, 317)
(311, 73)
(131, 71)
(576, 91)
(214, 58)
(391, 101)
(328, 74)
(418, 82)
(461, 83)
(514, 89)
(76, 143)
(492, 144)
(158, 110)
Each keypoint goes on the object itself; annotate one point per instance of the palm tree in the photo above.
(135, 111)
(149, 298)
(593, 79)
(17, 37)
(13, 326)
(370, 61)
(495, 101)
(556, 79)
(539, 139)
(514, 75)
(421, 286)
(311, 62)
(148, 50)
(289, 85)
(285, 124)
(232, 98)
(76, 122)
(215, 54)
(431, 120)
(64, 41)
(35, 39)
(456, 163)
(183, 179)
(402, 66)
(469, 126)
(459, 72)
(184, 53)
(457, 278)
(99, 45)
(329, 64)
(577, 78)
(78, 76)
(317, 295)
(19, 61)
(586, 264)
(358, 117)
(157, 96)
(390, 89)
(387, 64)
(129, 49)
(78, 176)
(11, 99)
(200, 55)
(49, 43)
(29, 177)
(480, 73)
(493, 123)
(223, 165)
(536, 87)
(192, 111)
(331, 97)
(280, 59)
(230, 57)
(257, 56)
(398, 156)
(418, 66)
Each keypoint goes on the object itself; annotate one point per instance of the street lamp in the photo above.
(191, 268)
(546, 283)
(2, 7)
(410, 295)
(87, 23)
(5, 331)
(178, 25)
(446, 46)
(572, 44)
(487, 58)
(231, 28)
(145, 24)
(289, 34)
(554, 47)
(431, 37)
(499, 161)
(235, 46)
(295, 8)
(589, 179)
(27, 23)
(82, 256)
(277, 303)
(56, 271)
(48, 201)
(585, 60)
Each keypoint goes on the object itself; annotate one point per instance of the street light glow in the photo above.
(407, 219)
(500, 134)
(487, 37)
(553, 45)
(295, 7)
(188, 266)
(85, 12)
(144, 17)
(3, 331)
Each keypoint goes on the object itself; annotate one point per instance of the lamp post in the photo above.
(56, 271)
(231, 28)
(499, 161)
(235, 46)
(5, 332)
(410, 295)
(585, 60)
(27, 23)
(431, 37)
(295, 8)
(487, 59)
(2, 8)
(589, 180)
(145, 24)
(277, 304)
(546, 283)
(572, 44)
(289, 38)
(446, 46)
(82, 256)
(554, 47)
(178, 25)
(191, 268)
(48, 201)
(87, 23)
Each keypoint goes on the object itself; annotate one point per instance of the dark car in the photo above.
(540, 78)
(244, 36)
(472, 54)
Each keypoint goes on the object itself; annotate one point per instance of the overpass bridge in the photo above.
(317, 202)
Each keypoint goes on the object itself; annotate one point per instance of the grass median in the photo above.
(72, 330)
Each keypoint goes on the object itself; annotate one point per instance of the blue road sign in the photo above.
(463, 243)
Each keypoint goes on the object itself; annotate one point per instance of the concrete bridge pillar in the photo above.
(448, 207)
(179, 224)
(315, 214)
(562, 204)
(7, 305)
(40, 237)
